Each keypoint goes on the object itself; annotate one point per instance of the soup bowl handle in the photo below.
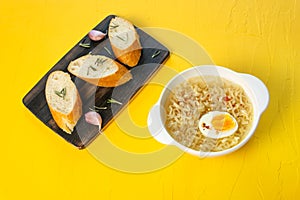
(259, 89)
(156, 127)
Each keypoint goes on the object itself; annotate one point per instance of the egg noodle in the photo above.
(196, 96)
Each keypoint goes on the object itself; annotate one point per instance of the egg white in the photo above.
(207, 129)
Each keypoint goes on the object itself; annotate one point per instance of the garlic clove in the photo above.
(93, 118)
(96, 35)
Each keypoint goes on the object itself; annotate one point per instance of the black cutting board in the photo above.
(92, 95)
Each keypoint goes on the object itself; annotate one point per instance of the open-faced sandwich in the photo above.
(100, 70)
(124, 41)
(63, 100)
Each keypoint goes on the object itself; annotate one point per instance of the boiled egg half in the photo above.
(217, 124)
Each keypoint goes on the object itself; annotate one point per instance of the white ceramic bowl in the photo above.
(254, 88)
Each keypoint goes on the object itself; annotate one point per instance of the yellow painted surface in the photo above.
(257, 37)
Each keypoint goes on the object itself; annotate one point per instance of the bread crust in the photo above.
(129, 56)
(63, 120)
(66, 122)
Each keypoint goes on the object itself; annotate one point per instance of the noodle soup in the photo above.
(195, 97)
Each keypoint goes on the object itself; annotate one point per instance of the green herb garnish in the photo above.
(156, 53)
(62, 93)
(91, 109)
(97, 61)
(123, 38)
(114, 101)
(100, 61)
(114, 26)
(90, 67)
(100, 108)
(93, 68)
(97, 109)
(108, 51)
(85, 43)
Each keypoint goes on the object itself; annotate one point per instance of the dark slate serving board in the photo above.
(92, 95)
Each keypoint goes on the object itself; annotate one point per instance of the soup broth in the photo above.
(193, 98)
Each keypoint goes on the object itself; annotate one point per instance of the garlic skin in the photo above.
(96, 35)
(93, 118)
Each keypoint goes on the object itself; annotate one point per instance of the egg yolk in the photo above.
(222, 122)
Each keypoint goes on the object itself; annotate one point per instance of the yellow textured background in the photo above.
(257, 37)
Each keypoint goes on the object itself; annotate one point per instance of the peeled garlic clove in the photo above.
(96, 35)
(93, 118)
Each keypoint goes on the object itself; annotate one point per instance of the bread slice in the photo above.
(124, 41)
(63, 100)
(100, 70)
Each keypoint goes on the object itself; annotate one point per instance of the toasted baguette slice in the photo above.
(100, 70)
(124, 41)
(63, 100)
